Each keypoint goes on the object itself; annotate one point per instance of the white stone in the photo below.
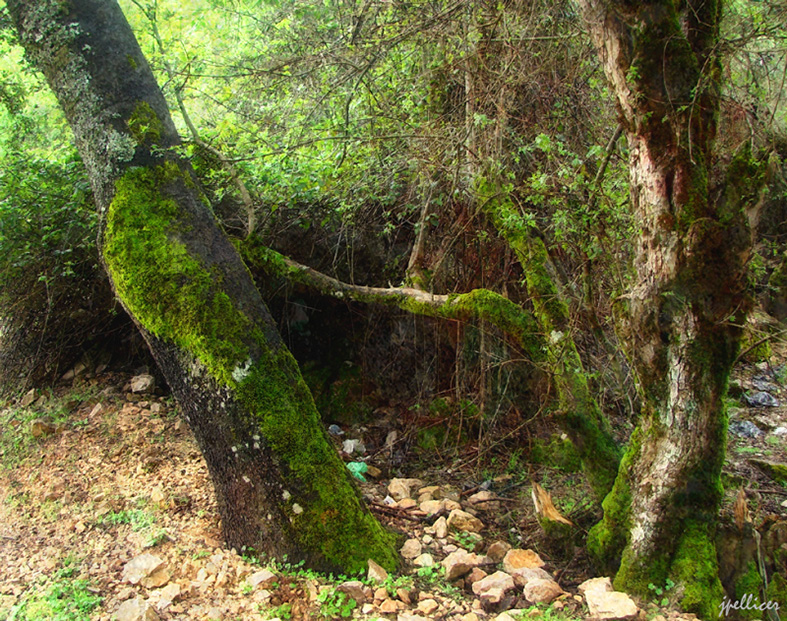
(542, 591)
(411, 549)
(263, 577)
(463, 521)
(136, 609)
(609, 605)
(424, 560)
(376, 572)
(492, 584)
(146, 569)
(440, 528)
(143, 383)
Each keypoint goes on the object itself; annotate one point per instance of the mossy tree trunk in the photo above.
(580, 415)
(660, 517)
(281, 487)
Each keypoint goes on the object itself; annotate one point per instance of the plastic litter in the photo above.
(357, 469)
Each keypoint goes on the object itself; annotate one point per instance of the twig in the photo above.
(757, 344)
(778, 492)
(393, 512)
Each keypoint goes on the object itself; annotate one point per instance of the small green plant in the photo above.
(200, 554)
(545, 613)
(662, 591)
(137, 518)
(467, 540)
(161, 536)
(335, 604)
(279, 612)
(65, 598)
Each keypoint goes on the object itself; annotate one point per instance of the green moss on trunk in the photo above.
(177, 299)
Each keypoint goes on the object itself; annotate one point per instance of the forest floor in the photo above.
(93, 476)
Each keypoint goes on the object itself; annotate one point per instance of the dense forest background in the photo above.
(400, 146)
(365, 140)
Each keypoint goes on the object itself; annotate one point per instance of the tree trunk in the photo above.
(281, 487)
(660, 518)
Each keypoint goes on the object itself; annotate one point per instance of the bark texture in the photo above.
(281, 487)
(676, 323)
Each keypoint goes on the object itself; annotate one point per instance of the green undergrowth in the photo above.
(17, 442)
(64, 596)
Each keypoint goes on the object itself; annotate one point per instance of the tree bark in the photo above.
(281, 487)
(660, 517)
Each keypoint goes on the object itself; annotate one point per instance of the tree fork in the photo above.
(660, 518)
(281, 488)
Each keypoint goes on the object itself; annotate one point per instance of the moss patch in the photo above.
(144, 124)
(178, 299)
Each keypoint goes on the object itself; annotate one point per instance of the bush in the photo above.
(55, 300)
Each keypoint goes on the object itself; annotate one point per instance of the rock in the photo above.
(262, 577)
(428, 606)
(136, 609)
(607, 605)
(780, 431)
(376, 572)
(424, 560)
(335, 430)
(525, 574)
(143, 383)
(29, 397)
(440, 528)
(40, 427)
(762, 399)
(521, 559)
(146, 569)
(400, 488)
(542, 591)
(497, 550)
(408, 616)
(167, 595)
(483, 498)
(374, 471)
(596, 584)
(157, 495)
(407, 503)
(463, 521)
(492, 588)
(432, 506)
(411, 549)
(744, 429)
(390, 606)
(475, 575)
(506, 616)
(430, 490)
(353, 588)
(459, 563)
(403, 595)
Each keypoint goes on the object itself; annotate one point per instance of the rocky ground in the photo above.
(106, 512)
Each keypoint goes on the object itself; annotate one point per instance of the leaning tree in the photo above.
(679, 322)
(281, 487)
